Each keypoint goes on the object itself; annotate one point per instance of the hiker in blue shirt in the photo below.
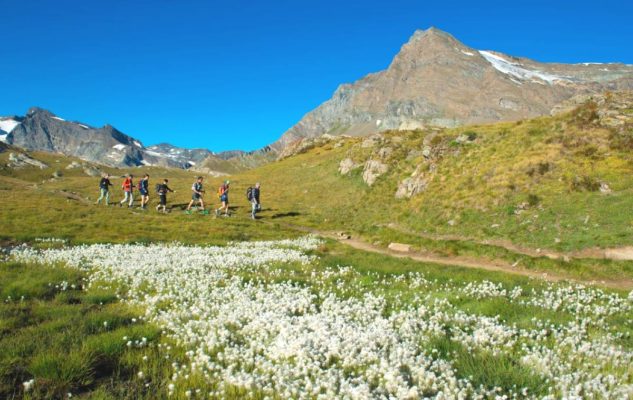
(143, 188)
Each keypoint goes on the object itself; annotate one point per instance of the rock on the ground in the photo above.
(346, 166)
(401, 247)
(20, 160)
(373, 170)
(73, 165)
(409, 187)
(92, 171)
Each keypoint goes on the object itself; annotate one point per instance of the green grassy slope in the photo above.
(536, 183)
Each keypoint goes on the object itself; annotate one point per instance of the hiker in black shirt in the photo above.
(104, 189)
(161, 190)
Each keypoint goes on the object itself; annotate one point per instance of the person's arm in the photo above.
(169, 189)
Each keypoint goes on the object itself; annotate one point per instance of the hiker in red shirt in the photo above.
(128, 187)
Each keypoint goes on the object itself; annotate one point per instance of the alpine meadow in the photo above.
(456, 226)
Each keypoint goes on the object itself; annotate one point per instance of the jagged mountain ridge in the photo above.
(437, 80)
(42, 130)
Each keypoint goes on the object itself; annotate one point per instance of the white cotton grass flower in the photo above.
(28, 385)
(334, 337)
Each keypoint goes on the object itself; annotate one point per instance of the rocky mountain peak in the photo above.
(435, 80)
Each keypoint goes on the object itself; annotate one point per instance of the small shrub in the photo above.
(586, 116)
(585, 183)
(533, 200)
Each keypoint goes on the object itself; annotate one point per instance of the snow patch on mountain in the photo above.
(519, 71)
(59, 119)
(119, 147)
(8, 125)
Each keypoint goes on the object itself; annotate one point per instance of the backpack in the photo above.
(220, 191)
(249, 194)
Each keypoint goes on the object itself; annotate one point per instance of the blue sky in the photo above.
(236, 74)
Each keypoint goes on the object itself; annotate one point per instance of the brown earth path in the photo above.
(620, 253)
(494, 265)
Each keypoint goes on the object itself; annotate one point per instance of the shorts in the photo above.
(224, 198)
(195, 196)
(163, 199)
(144, 192)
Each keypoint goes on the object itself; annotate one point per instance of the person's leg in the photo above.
(131, 203)
(253, 209)
(201, 204)
(107, 197)
(100, 196)
(190, 204)
(125, 198)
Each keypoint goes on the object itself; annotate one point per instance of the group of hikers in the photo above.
(128, 186)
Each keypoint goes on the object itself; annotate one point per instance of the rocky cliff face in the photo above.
(436, 80)
(42, 130)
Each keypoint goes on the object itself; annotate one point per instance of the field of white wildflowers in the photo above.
(247, 323)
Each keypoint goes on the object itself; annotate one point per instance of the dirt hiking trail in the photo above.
(495, 265)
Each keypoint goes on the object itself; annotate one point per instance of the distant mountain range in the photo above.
(433, 81)
(42, 130)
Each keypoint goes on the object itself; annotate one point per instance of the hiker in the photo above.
(161, 190)
(128, 187)
(143, 188)
(252, 194)
(223, 193)
(104, 189)
(196, 196)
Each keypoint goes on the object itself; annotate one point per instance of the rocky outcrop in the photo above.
(19, 160)
(437, 81)
(411, 186)
(346, 166)
(373, 169)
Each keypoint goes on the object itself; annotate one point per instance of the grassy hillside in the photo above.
(560, 182)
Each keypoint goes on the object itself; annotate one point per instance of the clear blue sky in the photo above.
(236, 74)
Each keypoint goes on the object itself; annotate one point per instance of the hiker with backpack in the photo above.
(223, 194)
(128, 187)
(252, 194)
(196, 196)
(143, 188)
(104, 189)
(161, 190)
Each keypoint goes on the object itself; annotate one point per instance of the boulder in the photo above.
(346, 166)
(409, 187)
(373, 169)
(385, 152)
(92, 171)
(20, 160)
(371, 141)
(401, 247)
(73, 165)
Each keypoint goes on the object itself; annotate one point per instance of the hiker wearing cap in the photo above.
(143, 188)
(223, 193)
(196, 196)
(252, 194)
(161, 190)
(128, 187)
(104, 189)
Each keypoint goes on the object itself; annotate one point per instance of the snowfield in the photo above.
(519, 71)
(8, 125)
(245, 324)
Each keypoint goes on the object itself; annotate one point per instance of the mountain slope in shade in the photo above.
(436, 80)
